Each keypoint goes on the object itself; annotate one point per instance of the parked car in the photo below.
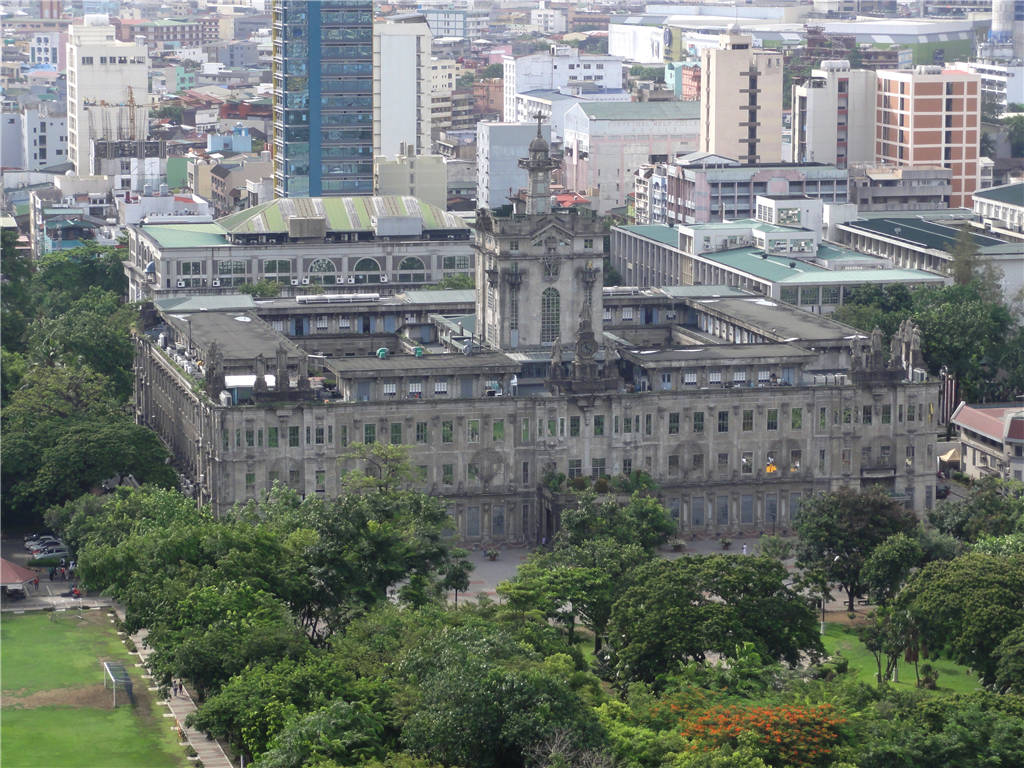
(941, 491)
(42, 541)
(60, 551)
(45, 544)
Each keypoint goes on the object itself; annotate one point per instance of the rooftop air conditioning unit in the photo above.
(295, 281)
(352, 281)
(216, 283)
(181, 283)
(383, 278)
(305, 281)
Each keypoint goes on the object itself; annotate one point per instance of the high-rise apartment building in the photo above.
(108, 86)
(929, 117)
(741, 100)
(834, 116)
(323, 97)
(401, 87)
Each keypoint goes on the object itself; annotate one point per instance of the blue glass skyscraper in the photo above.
(323, 97)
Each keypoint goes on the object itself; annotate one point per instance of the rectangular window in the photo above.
(885, 455)
(526, 473)
(673, 423)
(723, 510)
(673, 464)
(238, 438)
(369, 433)
(887, 414)
(344, 435)
(396, 433)
(910, 412)
(764, 375)
(723, 421)
(747, 463)
(627, 425)
(309, 436)
(598, 426)
(448, 474)
(698, 422)
(440, 387)
(574, 426)
(899, 413)
(552, 428)
(575, 468)
(714, 377)
(597, 469)
(648, 424)
(318, 435)
(739, 377)
(472, 471)
(225, 439)
(627, 467)
(794, 460)
(250, 438)
(525, 431)
(421, 432)
(821, 460)
(498, 431)
(473, 431)
(447, 432)
(865, 415)
(293, 437)
(723, 462)
(822, 418)
(773, 419)
(250, 480)
(846, 459)
(796, 420)
(415, 389)
(698, 462)
(293, 478)
(748, 421)
(390, 389)
(320, 477)
(690, 378)
(697, 511)
(865, 456)
(747, 508)
(561, 426)
(627, 313)
(321, 322)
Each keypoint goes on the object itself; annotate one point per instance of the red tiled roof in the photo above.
(12, 573)
(991, 422)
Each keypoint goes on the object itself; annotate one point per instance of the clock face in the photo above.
(588, 347)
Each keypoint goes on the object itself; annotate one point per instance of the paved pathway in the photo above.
(178, 708)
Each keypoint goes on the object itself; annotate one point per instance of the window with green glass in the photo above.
(748, 421)
(574, 426)
(396, 433)
(498, 430)
(673, 423)
(293, 437)
(447, 432)
(421, 432)
(698, 422)
(369, 433)
(272, 437)
(473, 430)
(598, 426)
(773, 419)
(797, 418)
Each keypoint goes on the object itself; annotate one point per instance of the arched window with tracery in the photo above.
(550, 315)
(367, 271)
(322, 272)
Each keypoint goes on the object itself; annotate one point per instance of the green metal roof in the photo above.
(641, 110)
(859, 276)
(929, 234)
(755, 262)
(186, 235)
(343, 214)
(659, 232)
(1008, 193)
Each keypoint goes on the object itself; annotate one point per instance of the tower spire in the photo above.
(538, 165)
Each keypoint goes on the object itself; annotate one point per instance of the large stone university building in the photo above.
(739, 406)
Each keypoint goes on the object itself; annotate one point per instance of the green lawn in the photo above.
(37, 653)
(55, 710)
(952, 677)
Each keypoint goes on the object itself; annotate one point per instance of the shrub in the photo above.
(794, 735)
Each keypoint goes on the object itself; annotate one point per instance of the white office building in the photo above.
(560, 67)
(401, 87)
(834, 116)
(105, 76)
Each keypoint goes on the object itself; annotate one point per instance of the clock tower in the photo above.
(539, 273)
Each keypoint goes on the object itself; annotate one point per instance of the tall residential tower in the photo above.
(323, 97)
(741, 100)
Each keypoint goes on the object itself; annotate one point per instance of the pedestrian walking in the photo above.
(174, 687)
(744, 549)
(52, 571)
